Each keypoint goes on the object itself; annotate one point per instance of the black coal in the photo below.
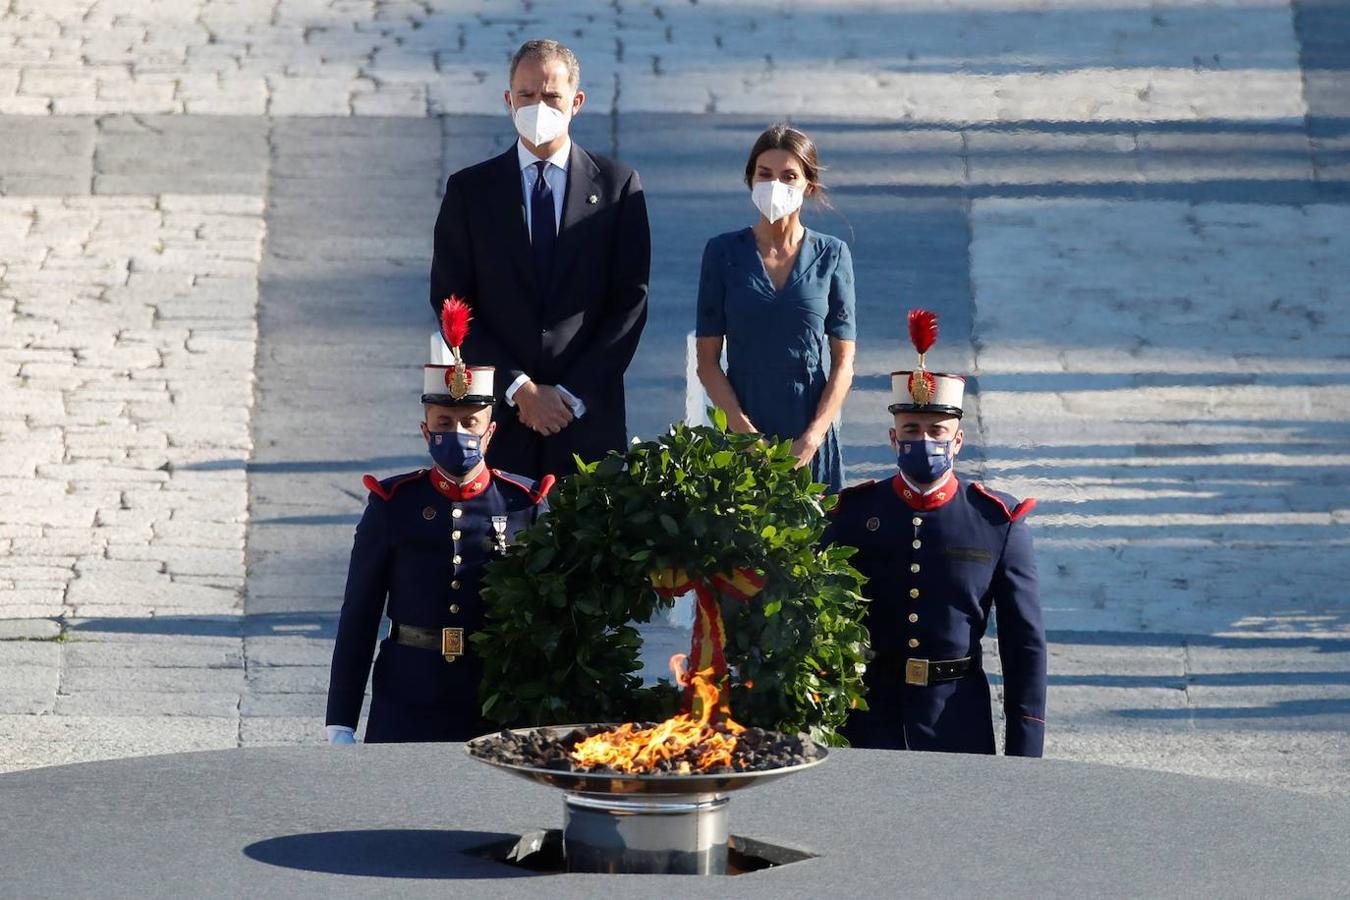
(757, 750)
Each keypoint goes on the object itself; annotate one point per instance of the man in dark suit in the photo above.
(549, 244)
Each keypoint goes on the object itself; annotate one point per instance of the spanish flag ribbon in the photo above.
(708, 649)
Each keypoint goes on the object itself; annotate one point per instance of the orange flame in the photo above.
(638, 751)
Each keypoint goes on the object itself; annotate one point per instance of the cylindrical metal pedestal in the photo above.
(676, 834)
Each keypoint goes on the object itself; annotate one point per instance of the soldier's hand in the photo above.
(340, 734)
(543, 408)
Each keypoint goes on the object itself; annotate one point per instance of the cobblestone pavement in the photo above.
(214, 231)
(923, 60)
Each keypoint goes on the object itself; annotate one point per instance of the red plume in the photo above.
(455, 319)
(923, 329)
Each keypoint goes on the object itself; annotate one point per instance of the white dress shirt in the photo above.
(555, 173)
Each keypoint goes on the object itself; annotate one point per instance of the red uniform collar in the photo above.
(933, 499)
(460, 492)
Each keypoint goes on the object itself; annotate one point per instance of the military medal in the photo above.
(499, 532)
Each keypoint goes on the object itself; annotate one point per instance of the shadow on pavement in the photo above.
(385, 853)
(299, 624)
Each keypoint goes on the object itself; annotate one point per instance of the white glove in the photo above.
(340, 734)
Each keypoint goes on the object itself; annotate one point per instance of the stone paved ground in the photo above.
(214, 230)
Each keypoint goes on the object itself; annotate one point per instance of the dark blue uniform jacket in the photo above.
(935, 566)
(419, 555)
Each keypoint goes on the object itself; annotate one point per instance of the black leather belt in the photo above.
(923, 672)
(449, 641)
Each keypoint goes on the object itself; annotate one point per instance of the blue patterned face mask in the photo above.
(925, 461)
(456, 452)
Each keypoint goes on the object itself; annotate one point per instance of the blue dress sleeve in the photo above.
(712, 294)
(839, 321)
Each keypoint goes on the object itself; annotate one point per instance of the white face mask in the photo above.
(775, 199)
(540, 123)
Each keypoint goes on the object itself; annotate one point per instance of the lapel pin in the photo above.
(592, 199)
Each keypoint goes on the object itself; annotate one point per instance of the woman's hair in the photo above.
(782, 136)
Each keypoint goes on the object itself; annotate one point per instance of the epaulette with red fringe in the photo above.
(1017, 512)
(385, 489)
(537, 490)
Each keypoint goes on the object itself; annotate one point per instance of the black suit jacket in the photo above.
(580, 330)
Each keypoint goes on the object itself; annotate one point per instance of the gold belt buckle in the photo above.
(916, 672)
(452, 643)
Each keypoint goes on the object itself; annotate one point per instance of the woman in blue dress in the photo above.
(780, 295)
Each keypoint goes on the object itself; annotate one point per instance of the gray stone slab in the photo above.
(287, 651)
(46, 156)
(1314, 762)
(28, 689)
(889, 156)
(1276, 707)
(147, 679)
(182, 154)
(206, 632)
(1069, 705)
(307, 819)
(1161, 666)
(154, 654)
(266, 706)
(1052, 158)
(1275, 153)
(339, 148)
(331, 237)
(312, 679)
(1275, 659)
(286, 729)
(29, 629)
(124, 702)
(1324, 53)
(30, 653)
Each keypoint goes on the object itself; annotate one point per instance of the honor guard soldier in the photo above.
(938, 552)
(419, 555)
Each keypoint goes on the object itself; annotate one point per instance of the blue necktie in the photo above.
(543, 228)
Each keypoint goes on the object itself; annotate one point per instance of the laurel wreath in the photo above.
(560, 644)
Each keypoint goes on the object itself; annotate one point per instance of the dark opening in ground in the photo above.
(542, 851)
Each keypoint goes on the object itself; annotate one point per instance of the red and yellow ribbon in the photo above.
(708, 649)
